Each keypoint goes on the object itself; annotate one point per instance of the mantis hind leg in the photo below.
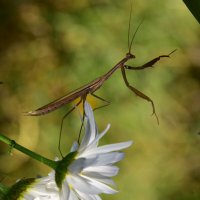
(107, 103)
(83, 119)
(138, 93)
(61, 126)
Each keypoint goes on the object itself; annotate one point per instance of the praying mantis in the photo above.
(96, 84)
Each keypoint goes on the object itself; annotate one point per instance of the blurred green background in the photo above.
(48, 48)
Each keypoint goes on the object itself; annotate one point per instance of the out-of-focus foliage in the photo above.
(48, 48)
(194, 7)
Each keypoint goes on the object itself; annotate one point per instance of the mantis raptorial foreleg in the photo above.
(150, 63)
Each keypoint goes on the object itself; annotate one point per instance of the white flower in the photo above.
(89, 167)
(34, 189)
(83, 174)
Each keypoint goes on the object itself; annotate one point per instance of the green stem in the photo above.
(26, 151)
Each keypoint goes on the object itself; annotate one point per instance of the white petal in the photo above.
(65, 191)
(103, 159)
(98, 177)
(103, 170)
(73, 196)
(106, 148)
(112, 147)
(74, 147)
(26, 197)
(77, 166)
(84, 196)
(108, 158)
(107, 181)
(90, 132)
(90, 161)
(87, 135)
(83, 185)
(104, 132)
(101, 186)
(98, 137)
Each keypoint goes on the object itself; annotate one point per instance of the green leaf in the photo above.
(194, 7)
